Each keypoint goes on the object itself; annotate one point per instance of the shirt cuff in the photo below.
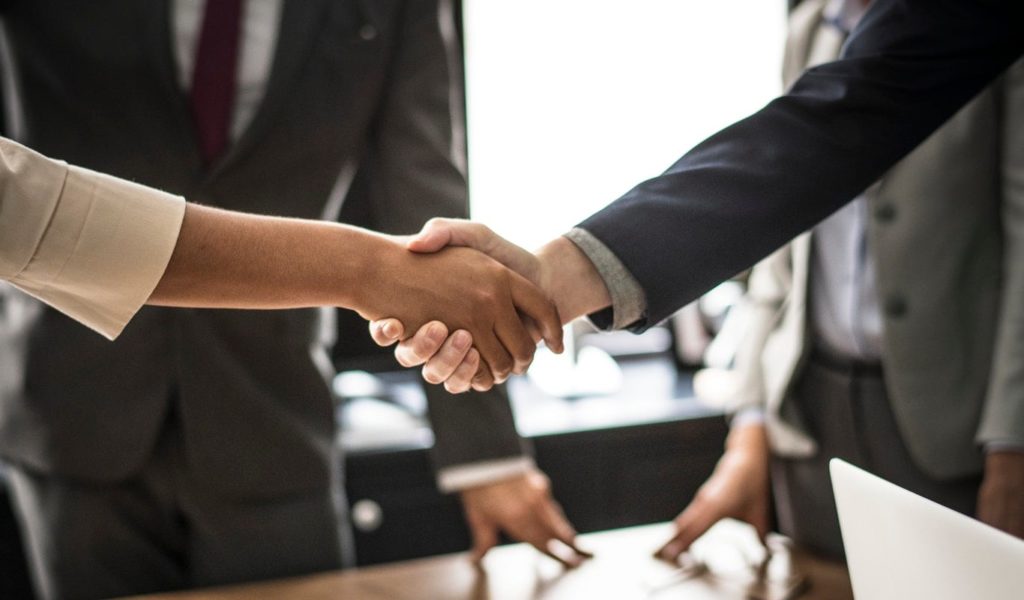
(470, 475)
(1004, 446)
(105, 249)
(753, 415)
(629, 303)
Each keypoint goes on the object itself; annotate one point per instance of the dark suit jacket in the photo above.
(755, 185)
(355, 85)
(950, 289)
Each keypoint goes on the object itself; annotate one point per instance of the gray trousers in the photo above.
(158, 531)
(847, 411)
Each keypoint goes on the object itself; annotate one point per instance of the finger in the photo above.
(485, 537)
(435, 235)
(536, 534)
(438, 233)
(530, 301)
(421, 347)
(670, 550)
(441, 366)
(386, 331)
(568, 563)
(513, 335)
(693, 523)
(561, 529)
(532, 328)
(493, 353)
(483, 380)
(462, 379)
(760, 523)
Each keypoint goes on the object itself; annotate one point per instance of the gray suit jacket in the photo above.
(356, 85)
(947, 236)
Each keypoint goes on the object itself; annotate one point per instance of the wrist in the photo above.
(571, 280)
(371, 258)
(1009, 460)
(748, 441)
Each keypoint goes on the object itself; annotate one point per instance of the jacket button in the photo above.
(367, 516)
(885, 213)
(367, 33)
(895, 306)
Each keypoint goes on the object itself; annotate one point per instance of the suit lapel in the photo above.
(160, 47)
(300, 25)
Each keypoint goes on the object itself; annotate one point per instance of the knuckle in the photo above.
(487, 295)
(552, 314)
(520, 512)
(524, 353)
(403, 358)
(431, 375)
(536, 500)
(446, 360)
(421, 349)
(502, 368)
(541, 483)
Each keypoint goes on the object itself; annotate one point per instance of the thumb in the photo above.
(759, 518)
(434, 236)
(386, 331)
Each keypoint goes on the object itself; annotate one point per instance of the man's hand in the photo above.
(464, 289)
(447, 359)
(523, 508)
(441, 233)
(1001, 497)
(737, 489)
(560, 269)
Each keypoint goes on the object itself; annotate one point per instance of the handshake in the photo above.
(471, 307)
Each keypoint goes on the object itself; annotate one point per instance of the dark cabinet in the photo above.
(640, 462)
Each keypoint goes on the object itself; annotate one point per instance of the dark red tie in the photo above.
(213, 81)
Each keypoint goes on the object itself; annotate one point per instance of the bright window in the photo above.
(572, 102)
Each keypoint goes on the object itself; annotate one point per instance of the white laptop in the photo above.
(902, 546)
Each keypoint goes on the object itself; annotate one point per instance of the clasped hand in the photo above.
(452, 336)
(447, 340)
(498, 314)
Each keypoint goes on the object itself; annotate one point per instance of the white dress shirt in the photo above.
(845, 314)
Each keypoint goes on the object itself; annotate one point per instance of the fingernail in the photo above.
(390, 329)
(461, 340)
(435, 333)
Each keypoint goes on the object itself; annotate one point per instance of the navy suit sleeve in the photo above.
(758, 183)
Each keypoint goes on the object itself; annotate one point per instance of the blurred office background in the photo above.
(568, 104)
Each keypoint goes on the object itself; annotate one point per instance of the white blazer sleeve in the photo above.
(1002, 422)
(92, 246)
